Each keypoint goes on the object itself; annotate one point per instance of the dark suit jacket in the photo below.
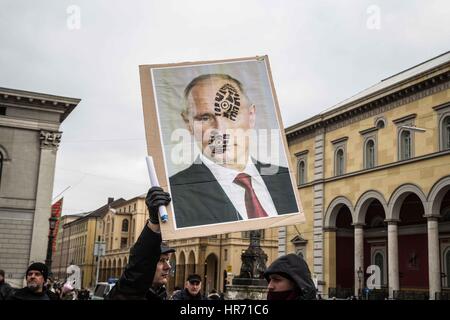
(198, 198)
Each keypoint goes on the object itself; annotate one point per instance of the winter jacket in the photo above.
(293, 267)
(5, 290)
(185, 295)
(136, 281)
(27, 294)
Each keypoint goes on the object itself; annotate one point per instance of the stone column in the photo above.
(359, 258)
(434, 272)
(49, 146)
(393, 257)
(329, 258)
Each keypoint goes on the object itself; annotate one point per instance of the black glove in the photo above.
(156, 197)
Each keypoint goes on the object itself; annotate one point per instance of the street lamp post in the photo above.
(48, 260)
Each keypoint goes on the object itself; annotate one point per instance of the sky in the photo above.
(320, 52)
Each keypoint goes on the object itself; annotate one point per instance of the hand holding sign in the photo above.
(156, 199)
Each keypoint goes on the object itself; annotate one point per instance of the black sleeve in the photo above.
(140, 270)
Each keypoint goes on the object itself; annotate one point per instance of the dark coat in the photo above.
(294, 267)
(185, 295)
(5, 290)
(198, 198)
(136, 281)
(27, 294)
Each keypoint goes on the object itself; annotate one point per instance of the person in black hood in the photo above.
(289, 278)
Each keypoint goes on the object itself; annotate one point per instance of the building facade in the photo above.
(373, 173)
(217, 259)
(76, 241)
(120, 227)
(29, 139)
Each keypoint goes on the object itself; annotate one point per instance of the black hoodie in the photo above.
(293, 267)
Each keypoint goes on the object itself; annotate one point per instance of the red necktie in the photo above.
(252, 204)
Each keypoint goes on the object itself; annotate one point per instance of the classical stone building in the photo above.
(374, 176)
(29, 139)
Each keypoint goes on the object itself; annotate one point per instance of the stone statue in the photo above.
(254, 258)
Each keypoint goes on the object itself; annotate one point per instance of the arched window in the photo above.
(339, 162)
(405, 145)
(125, 225)
(380, 123)
(301, 172)
(446, 133)
(370, 154)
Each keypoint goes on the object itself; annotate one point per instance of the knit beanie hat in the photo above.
(39, 266)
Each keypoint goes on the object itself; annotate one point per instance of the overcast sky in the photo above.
(321, 52)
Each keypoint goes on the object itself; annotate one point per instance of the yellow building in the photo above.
(217, 259)
(374, 177)
(76, 241)
(121, 226)
(210, 257)
(60, 258)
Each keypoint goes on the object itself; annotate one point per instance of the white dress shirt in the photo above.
(236, 193)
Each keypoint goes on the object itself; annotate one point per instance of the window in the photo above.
(339, 162)
(302, 167)
(225, 254)
(370, 154)
(123, 243)
(135, 207)
(125, 225)
(405, 136)
(443, 112)
(380, 123)
(405, 145)
(445, 134)
(340, 147)
(301, 172)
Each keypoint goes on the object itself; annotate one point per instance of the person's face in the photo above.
(193, 287)
(219, 118)
(35, 280)
(162, 270)
(279, 283)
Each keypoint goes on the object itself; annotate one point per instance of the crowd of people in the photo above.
(39, 286)
(148, 269)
